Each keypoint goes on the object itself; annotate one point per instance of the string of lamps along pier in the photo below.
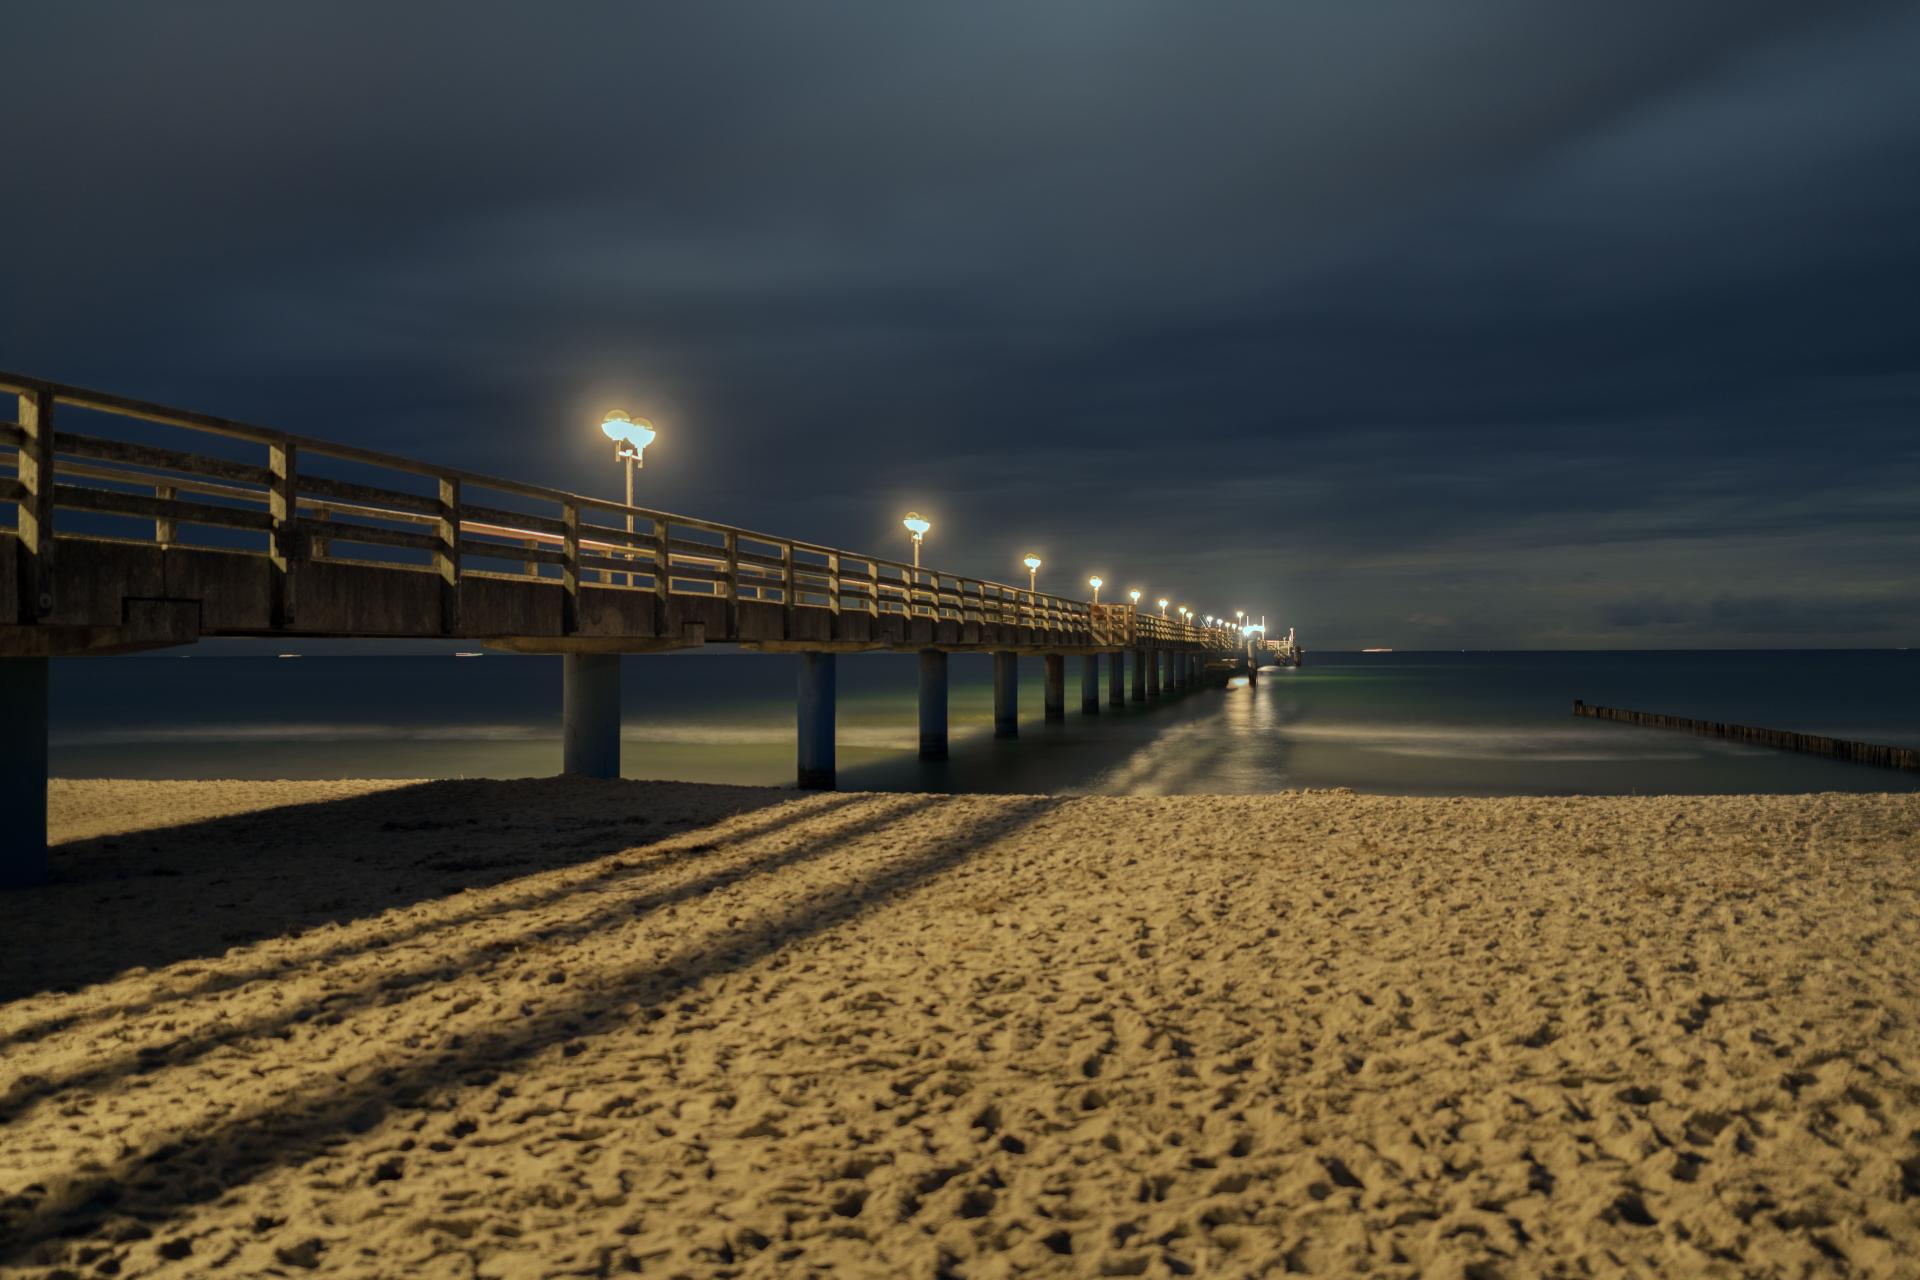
(255, 531)
(631, 436)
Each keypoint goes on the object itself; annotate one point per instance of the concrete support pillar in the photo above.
(1153, 672)
(1174, 682)
(1139, 675)
(1198, 665)
(23, 772)
(1090, 684)
(1006, 695)
(1117, 678)
(590, 717)
(933, 704)
(815, 722)
(1056, 699)
(1253, 669)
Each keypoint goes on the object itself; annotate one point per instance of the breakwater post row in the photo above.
(1812, 744)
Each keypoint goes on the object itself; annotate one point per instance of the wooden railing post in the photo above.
(662, 574)
(833, 584)
(570, 570)
(283, 548)
(732, 548)
(317, 543)
(446, 560)
(165, 531)
(788, 583)
(35, 528)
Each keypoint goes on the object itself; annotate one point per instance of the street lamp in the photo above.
(1096, 582)
(917, 526)
(630, 437)
(1135, 597)
(1240, 617)
(1033, 572)
(1162, 602)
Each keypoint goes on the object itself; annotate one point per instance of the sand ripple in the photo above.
(566, 1028)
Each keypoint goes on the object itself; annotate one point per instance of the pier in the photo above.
(119, 544)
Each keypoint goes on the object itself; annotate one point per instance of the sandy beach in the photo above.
(567, 1028)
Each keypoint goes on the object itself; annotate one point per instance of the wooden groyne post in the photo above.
(1812, 744)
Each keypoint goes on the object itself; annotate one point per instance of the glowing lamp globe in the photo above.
(632, 435)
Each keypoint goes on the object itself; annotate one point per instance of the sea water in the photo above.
(1404, 723)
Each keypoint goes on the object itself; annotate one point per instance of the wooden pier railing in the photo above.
(1784, 739)
(308, 506)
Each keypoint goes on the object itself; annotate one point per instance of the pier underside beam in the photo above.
(1090, 684)
(23, 772)
(1006, 695)
(1139, 675)
(1056, 687)
(814, 720)
(1117, 678)
(933, 705)
(590, 716)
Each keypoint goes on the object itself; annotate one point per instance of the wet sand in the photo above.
(572, 1028)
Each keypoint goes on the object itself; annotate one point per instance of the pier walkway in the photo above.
(139, 526)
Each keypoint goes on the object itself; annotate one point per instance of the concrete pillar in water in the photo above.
(1090, 684)
(23, 772)
(1139, 675)
(1117, 678)
(1006, 695)
(1174, 683)
(590, 716)
(1153, 672)
(815, 722)
(1056, 699)
(933, 704)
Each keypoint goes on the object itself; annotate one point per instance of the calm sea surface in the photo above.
(1413, 723)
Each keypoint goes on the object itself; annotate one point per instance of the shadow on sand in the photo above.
(167, 894)
(902, 846)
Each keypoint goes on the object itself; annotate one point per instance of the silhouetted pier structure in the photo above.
(121, 542)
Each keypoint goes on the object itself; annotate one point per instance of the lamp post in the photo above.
(630, 437)
(1162, 602)
(1096, 582)
(917, 526)
(1135, 597)
(1033, 572)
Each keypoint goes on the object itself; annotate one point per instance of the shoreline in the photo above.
(498, 1027)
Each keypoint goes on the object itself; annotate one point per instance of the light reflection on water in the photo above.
(1402, 723)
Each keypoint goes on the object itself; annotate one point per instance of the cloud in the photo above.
(1524, 308)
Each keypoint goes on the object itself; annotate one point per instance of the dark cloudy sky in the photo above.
(1428, 323)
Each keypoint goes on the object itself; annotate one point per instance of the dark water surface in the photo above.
(1411, 723)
